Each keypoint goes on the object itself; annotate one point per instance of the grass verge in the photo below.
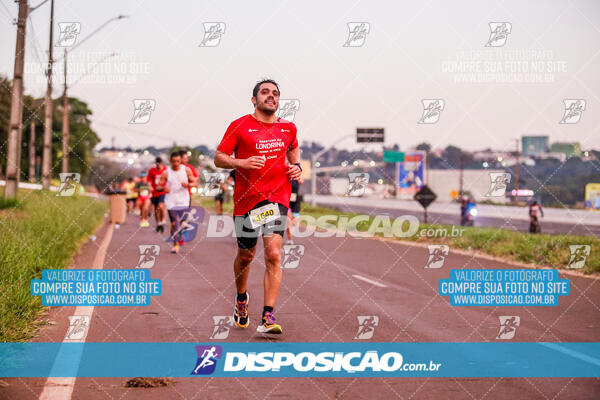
(43, 232)
(551, 251)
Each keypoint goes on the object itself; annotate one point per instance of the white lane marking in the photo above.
(372, 282)
(572, 353)
(62, 388)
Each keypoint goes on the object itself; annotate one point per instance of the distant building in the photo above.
(569, 149)
(134, 160)
(534, 145)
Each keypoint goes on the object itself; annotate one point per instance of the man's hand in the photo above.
(185, 185)
(254, 162)
(294, 172)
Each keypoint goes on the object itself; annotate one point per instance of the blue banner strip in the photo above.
(300, 359)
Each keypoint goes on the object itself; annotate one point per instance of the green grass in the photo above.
(542, 250)
(9, 203)
(43, 232)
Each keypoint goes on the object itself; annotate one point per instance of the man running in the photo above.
(220, 196)
(184, 161)
(175, 181)
(130, 194)
(158, 196)
(294, 210)
(534, 221)
(261, 143)
(142, 190)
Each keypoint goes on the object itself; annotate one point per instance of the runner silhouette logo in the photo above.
(148, 254)
(207, 359)
(508, 326)
(437, 255)
(366, 326)
(222, 325)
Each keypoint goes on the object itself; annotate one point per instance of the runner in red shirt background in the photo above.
(261, 143)
(185, 161)
(158, 196)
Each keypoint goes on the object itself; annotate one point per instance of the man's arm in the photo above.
(223, 160)
(162, 182)
(191, 179)
(293, 156)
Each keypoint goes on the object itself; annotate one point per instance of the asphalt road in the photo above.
(515, 224)
(319, 301)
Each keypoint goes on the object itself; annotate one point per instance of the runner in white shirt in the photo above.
(175, 180)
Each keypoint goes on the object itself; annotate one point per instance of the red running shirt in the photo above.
(249, 137)
(154, 179)
(195, 173)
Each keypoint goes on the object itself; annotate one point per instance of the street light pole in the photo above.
(65, 123)
(65, 98)
(16, 107)
(313, 169)
(47, 153)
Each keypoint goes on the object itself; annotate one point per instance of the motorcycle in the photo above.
(468, 215)
(534, 225)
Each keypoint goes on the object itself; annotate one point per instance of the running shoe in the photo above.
(175, 249)
(268, 324)
(181, 242)
(240, 312)
(144, 224)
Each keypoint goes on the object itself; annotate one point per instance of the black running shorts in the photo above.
(247, 237)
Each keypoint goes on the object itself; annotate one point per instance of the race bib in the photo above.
(264, 214)
(293, 196)
(144, 193)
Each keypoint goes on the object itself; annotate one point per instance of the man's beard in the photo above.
(263, 109)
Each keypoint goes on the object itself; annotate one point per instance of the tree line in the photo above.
(82, 139)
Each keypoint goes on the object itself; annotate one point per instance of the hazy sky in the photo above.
(413, 51)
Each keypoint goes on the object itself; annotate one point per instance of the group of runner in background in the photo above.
(144, 194)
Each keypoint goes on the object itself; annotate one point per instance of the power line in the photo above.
(36, 44)
(168, 139)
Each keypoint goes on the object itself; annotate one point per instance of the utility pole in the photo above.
(517, 170)
(32, 151)
(461, 179)
(65, 124)
(16, 107)
(47, 154)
